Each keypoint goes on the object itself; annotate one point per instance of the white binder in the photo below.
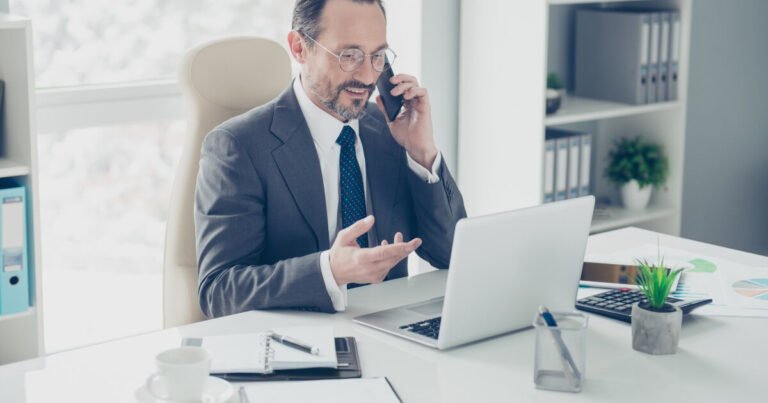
(586, 162)
(654, 58)
(674, 54)
(574, 148)
(662, 92)
(549, 170)
(561, 168)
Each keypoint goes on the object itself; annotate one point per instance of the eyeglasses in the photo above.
(351, 59)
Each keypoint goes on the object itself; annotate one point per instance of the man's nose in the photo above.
(366, 73)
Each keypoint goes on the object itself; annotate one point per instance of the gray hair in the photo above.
(306, 16)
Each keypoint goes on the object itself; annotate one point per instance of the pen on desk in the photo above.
(293, 343)
(565, 355)
(243, 395)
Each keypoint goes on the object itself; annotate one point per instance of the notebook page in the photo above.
(236, 352)
(363, 390)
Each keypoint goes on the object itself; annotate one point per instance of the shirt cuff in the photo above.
(421, 172)
(338, 293)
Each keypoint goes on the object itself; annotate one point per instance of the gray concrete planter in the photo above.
(655, 332)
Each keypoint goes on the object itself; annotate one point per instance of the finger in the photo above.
(349, 235)
(398, 237)
(403, 78)
(415, 92)
(401, 88)
(395, 251)
(384, 242)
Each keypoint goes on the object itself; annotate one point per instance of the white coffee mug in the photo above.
(181, 374)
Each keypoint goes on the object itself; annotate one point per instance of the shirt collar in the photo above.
(323, 127)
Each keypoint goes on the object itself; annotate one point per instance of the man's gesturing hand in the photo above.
(352, 264)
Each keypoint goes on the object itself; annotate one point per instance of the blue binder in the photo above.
(14, 266)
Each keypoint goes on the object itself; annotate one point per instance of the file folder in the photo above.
(561, 168)
(662, 91)
(14, 272)
(674, 54)
(612, 55)
(549, 170)
(586, 163)
(574, 149)
(654, 58)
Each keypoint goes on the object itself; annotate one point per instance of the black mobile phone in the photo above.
(392, 104)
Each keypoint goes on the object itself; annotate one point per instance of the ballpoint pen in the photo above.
(293, 343)
(569, 366)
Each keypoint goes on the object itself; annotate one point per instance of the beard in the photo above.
(331, 98)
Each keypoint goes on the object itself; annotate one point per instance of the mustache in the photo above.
(356, 84)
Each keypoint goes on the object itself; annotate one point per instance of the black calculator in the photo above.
(617, 304)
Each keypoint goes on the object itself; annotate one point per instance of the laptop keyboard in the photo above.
(429, 327)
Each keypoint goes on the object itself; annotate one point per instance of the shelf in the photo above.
(12, 22)
(10, 168)
(567, 2)
(28, 312)
(577, 109)
(608, 218)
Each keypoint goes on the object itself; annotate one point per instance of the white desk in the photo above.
(719, 359)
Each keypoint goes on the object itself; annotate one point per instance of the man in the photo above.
(287, 192)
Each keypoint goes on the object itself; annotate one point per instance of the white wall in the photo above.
(725, 198)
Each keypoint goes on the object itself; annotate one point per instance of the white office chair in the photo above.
(219, 79)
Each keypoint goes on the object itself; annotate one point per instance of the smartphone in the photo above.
(610, 275)
(392, 104)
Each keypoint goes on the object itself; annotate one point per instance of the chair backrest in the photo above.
(219, 80)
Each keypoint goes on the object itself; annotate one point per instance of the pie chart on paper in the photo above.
(752, 288)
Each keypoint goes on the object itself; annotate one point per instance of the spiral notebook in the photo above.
(257, 353)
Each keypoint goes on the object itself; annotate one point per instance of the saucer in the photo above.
(216, 390)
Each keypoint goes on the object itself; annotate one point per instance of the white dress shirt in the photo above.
(324, 129)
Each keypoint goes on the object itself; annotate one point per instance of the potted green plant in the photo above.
(656, 323)
(555, 93)
(637, 166)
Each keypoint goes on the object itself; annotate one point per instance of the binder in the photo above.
(662, 90)
(561, 168)
(612, 55)
(654, 58)
(549, 170)
(14, 288)
(674, 54)
(586, 162)
(574, 149)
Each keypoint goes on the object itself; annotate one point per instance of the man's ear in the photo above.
(296, 45)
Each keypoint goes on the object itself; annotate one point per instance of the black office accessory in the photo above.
(348, 367)
(617, 304)
(392, 104)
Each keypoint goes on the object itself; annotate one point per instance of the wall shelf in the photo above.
(578, 109)
(21, 334)
(608, 218)
(10, 168)
(502, 122)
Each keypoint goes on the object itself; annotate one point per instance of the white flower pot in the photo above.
(654, 332)
(633, 197)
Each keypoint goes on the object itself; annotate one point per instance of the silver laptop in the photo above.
(503, 266)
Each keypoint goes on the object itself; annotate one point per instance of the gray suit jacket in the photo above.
(260, 215)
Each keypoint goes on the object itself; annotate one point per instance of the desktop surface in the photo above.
(719, 358)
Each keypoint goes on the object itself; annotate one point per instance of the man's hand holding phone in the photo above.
(412, 127)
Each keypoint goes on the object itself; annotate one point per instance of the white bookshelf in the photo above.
(21, 334)
(507, 48)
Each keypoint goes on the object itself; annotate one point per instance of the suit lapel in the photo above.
(299, 165)
(382, 170)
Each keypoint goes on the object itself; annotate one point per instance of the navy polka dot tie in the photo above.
(351, 191)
